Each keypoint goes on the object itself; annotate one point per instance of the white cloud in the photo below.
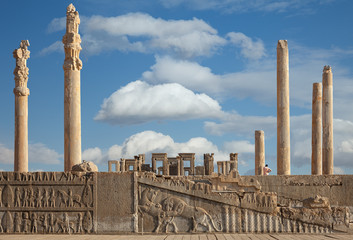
(55, 47)
(230, 6)
(258, 80)
(143, 33)
(149, 142)
(140, 102)
(37, 153)
(301, 141)
(57, 24)
(259, 84)
(92, 154)
(241, 125)
(6, 155)
(250, 49)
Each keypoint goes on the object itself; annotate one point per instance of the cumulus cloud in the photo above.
(250, 49)
(301, 142)
(241, 125)
(143, 33)
(40, 153)
(259, 84)
(258, 79)
(55, 47)
(6, 155)
(149, 142)
(37, 153)
(230, 6)
(140, 102)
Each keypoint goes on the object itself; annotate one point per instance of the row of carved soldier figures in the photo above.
(27, 222)
(44, 176)
(40, 197)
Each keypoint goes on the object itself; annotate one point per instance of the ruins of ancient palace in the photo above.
(172, 194)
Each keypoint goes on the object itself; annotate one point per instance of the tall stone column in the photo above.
(283, 117)
(316, 136)
(72, 99)
(21, 92)
(259, 152)
(327, 121)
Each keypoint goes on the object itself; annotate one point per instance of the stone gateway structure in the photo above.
(172, 194)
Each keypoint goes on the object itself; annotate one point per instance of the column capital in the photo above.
(21, 71)
(282, 44)
(327, 69)
(72, 40)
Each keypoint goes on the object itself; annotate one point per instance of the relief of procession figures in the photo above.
(46, 176)
(46, 196)
(44, 222)
(171, 213)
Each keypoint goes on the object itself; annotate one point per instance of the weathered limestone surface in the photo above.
(117, 204)
(72, 97)
(259, 152)
(21, 107)
(283, 117)
(327, 121)
(316, 136)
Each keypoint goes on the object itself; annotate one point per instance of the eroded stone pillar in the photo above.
(327, 121)
(283, 117)
(259, 152)
(72, 97)
(21, 92)
(316, 136)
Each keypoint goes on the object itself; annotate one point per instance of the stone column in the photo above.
(327, 121)
(122, 165)
(233, 161)
(259, 152)
(283, 125)
(316, 136)
(72, 97)
(21, 92)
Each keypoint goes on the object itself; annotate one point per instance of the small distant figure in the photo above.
(267, 170)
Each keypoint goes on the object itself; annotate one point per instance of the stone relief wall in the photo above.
(186, 205)
(47, 202)
(131, 202)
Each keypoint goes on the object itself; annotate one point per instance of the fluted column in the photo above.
(21, 107)
(72, 99)
(259, 152)
(327, 121)
(283, 117)
(316, 136)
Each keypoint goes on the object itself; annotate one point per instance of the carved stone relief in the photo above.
(47, 202)
(167, 209)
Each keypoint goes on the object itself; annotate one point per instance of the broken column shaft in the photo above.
(316, 144)
(283, 117)
(21, 107)
(327, 121)
(72, 97)
(259, 152)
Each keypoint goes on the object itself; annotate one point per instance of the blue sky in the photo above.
(178, 76)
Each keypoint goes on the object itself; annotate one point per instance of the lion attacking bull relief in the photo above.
(165, 211)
